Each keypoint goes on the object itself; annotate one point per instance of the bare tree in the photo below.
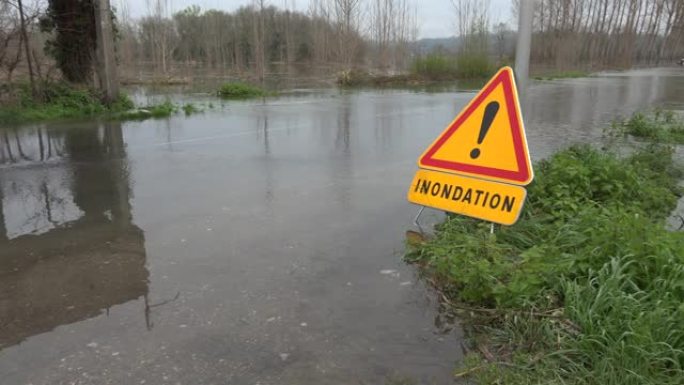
(259, 39)
(472, 24)
(348, 19)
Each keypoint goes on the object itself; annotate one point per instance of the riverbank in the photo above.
(57, 101)
(586, 288)
(357, 78)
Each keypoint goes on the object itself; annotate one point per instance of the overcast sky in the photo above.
(436, 17)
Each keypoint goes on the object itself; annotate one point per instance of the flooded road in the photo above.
(254, 243)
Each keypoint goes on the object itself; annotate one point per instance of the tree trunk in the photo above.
(106, 60)
(27, 50)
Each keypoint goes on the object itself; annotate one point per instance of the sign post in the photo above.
(479, 164)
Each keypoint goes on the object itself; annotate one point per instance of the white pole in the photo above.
(522, 51)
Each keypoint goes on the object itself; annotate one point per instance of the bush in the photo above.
(240, 91)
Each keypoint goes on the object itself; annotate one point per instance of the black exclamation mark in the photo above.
(489, 114)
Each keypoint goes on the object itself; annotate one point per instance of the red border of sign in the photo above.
(524, 174)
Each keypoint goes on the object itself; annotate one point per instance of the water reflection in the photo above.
(68, 247)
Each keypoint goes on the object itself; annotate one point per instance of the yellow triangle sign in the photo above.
(487, 139)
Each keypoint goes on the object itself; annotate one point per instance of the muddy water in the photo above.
(257, 242)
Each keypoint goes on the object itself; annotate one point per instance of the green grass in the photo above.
(240, 91)
(63, 101)
(659, 125)
(563, 75)
(587, 288)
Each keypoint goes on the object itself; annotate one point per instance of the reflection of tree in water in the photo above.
(100, 173)
(13, 145)
(3, 227)
(342, 165)
(262, 129)
(343, 136)
(79, 268)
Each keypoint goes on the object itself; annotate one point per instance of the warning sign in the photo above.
(487, 139)
(477, 198)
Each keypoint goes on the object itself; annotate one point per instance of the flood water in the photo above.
(258, 242)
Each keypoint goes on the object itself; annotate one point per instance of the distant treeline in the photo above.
(57, 37)
(340, 32)
(608, 33)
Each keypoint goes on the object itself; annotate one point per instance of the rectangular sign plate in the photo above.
(477, 198)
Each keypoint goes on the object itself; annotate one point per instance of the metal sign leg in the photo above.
(415, 220)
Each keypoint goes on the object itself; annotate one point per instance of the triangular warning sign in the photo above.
(487, 139)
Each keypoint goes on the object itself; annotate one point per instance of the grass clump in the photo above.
(240, 91)
(156, 111)
(586, 289)
(659, 125)
(563, 75)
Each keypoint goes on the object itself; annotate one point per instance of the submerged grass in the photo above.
(190, 109)
(563, 75)
(240, 91)
(658, 125)
(587, 288)
(156, 111)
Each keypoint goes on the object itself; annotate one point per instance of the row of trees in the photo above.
(607, 33)
(338, 32)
